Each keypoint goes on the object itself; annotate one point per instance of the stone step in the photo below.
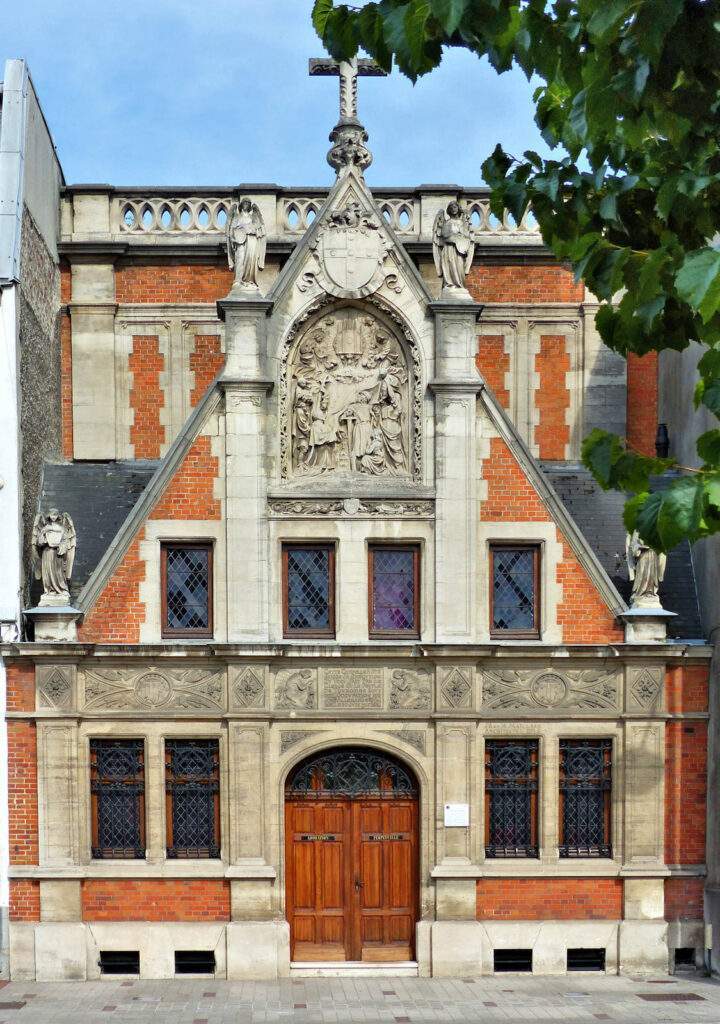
(353, 969)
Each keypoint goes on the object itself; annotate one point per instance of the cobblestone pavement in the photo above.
(572, 1000)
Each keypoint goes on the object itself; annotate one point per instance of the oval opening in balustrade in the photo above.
(148, 218)
(166, 217)
(292, 218)
(310, 215)
(529, 221)
(185, 217)
(128, 216)
(387, 214)
(221, 217)
(476, 219)
(203, 216)
(404, 219)
(510, 224)
(493, 222)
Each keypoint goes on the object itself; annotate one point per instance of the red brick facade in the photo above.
(686, 688)
(22, 792)
(684, 899)
(172, 280)
(642, 402)
(552, 398)
(547, 899)
(20, 687)
(493, 362)
(685, 791)
(190, 492)
(206, 361)
(24, 900)
(582, 614)
(183, 899)
(522, 283)
(146, 363)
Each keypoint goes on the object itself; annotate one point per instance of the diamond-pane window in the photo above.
(308, 589)
(585, 797)
(515, 590)
(192, 787)
(187, 590)
(511, 789)
(394, 590)
(117, 791)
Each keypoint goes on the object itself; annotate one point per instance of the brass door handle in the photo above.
(358, 885)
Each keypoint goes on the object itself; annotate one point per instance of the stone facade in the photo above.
(343, 399)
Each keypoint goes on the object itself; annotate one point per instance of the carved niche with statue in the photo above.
(348, 396)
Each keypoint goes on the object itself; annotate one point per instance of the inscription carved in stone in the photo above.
(546, 690)
(296, 688)
(155, 689)
(410, 689)
(349, 399)
(248, 689)
(354, 688)
(456, 688)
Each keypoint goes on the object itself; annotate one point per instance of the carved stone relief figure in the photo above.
(349, 406)
(410, 690)
(53, 545)
(646, 569)
(245, 237)
(296, 689)
(453, 246)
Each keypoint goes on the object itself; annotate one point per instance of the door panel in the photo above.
(352, 880)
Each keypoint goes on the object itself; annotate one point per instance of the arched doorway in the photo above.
(351, 834)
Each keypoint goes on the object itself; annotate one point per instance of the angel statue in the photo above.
(453, 246)
(245, 237)
(53, 546)
(646, 569)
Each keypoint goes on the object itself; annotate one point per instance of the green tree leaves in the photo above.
(629, 91)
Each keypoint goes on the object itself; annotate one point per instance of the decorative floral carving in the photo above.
(456, 689)
(292, 738)
(410, 689)
(249, 689)
(167, 689)
(296, 689)
(55, 690)
(546, 690)
(348, 362)
(645, 687)
(351, 507)
(415, 737)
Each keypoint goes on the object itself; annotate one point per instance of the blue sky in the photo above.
(217, 92)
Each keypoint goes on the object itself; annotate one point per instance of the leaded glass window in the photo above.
(187, 590)
(394, 590)
(511, 789)
(192, 786)
(585, 792)
(515, 598)
(309, 589)
(117, 790)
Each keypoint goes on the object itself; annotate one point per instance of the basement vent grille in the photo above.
(194, 961)
(113, 961)
(512, 960)
(586, 959)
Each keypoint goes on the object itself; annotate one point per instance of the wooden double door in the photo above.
(352, 877)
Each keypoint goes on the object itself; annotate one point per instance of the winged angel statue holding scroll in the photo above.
(245, 237)
(53, 547)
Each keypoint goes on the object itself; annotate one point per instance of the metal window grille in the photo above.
(585, 791)
(187, 589)
(394, 595)
(351, 772)
(309, 590)
(192, 787)
(511, 789)
(515, 589)
(117, 790)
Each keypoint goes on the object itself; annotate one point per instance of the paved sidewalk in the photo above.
(578, 998)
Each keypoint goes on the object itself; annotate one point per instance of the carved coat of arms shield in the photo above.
(351, 256)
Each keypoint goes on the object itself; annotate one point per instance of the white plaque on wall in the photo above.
(457, 815)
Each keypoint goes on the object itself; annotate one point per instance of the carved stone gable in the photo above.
(349, 404)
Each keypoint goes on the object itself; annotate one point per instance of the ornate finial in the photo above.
(348, 137)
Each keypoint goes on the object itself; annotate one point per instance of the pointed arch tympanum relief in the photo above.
(349, 398)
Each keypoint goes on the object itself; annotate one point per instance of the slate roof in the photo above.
(98, 497)
(598, 514)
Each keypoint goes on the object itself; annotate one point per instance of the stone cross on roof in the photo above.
(348, 136)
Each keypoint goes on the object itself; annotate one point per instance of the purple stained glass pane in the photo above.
(393, 590)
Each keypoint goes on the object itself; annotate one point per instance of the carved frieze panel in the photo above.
(247, 686)
(411, 689)
(350, 396)
(54, 686)
(351, 507)
(644, 688)
(549, 690)
(456, 688)
(352, 687)
(296, 688)
(156, 689)
(291, 737)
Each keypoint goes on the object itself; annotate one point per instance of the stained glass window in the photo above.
(585, 790)
(515, 598)
(511, 789)
(117, 790)
(394, 586)
(192, 785)
(187, 589)
(309, 584)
